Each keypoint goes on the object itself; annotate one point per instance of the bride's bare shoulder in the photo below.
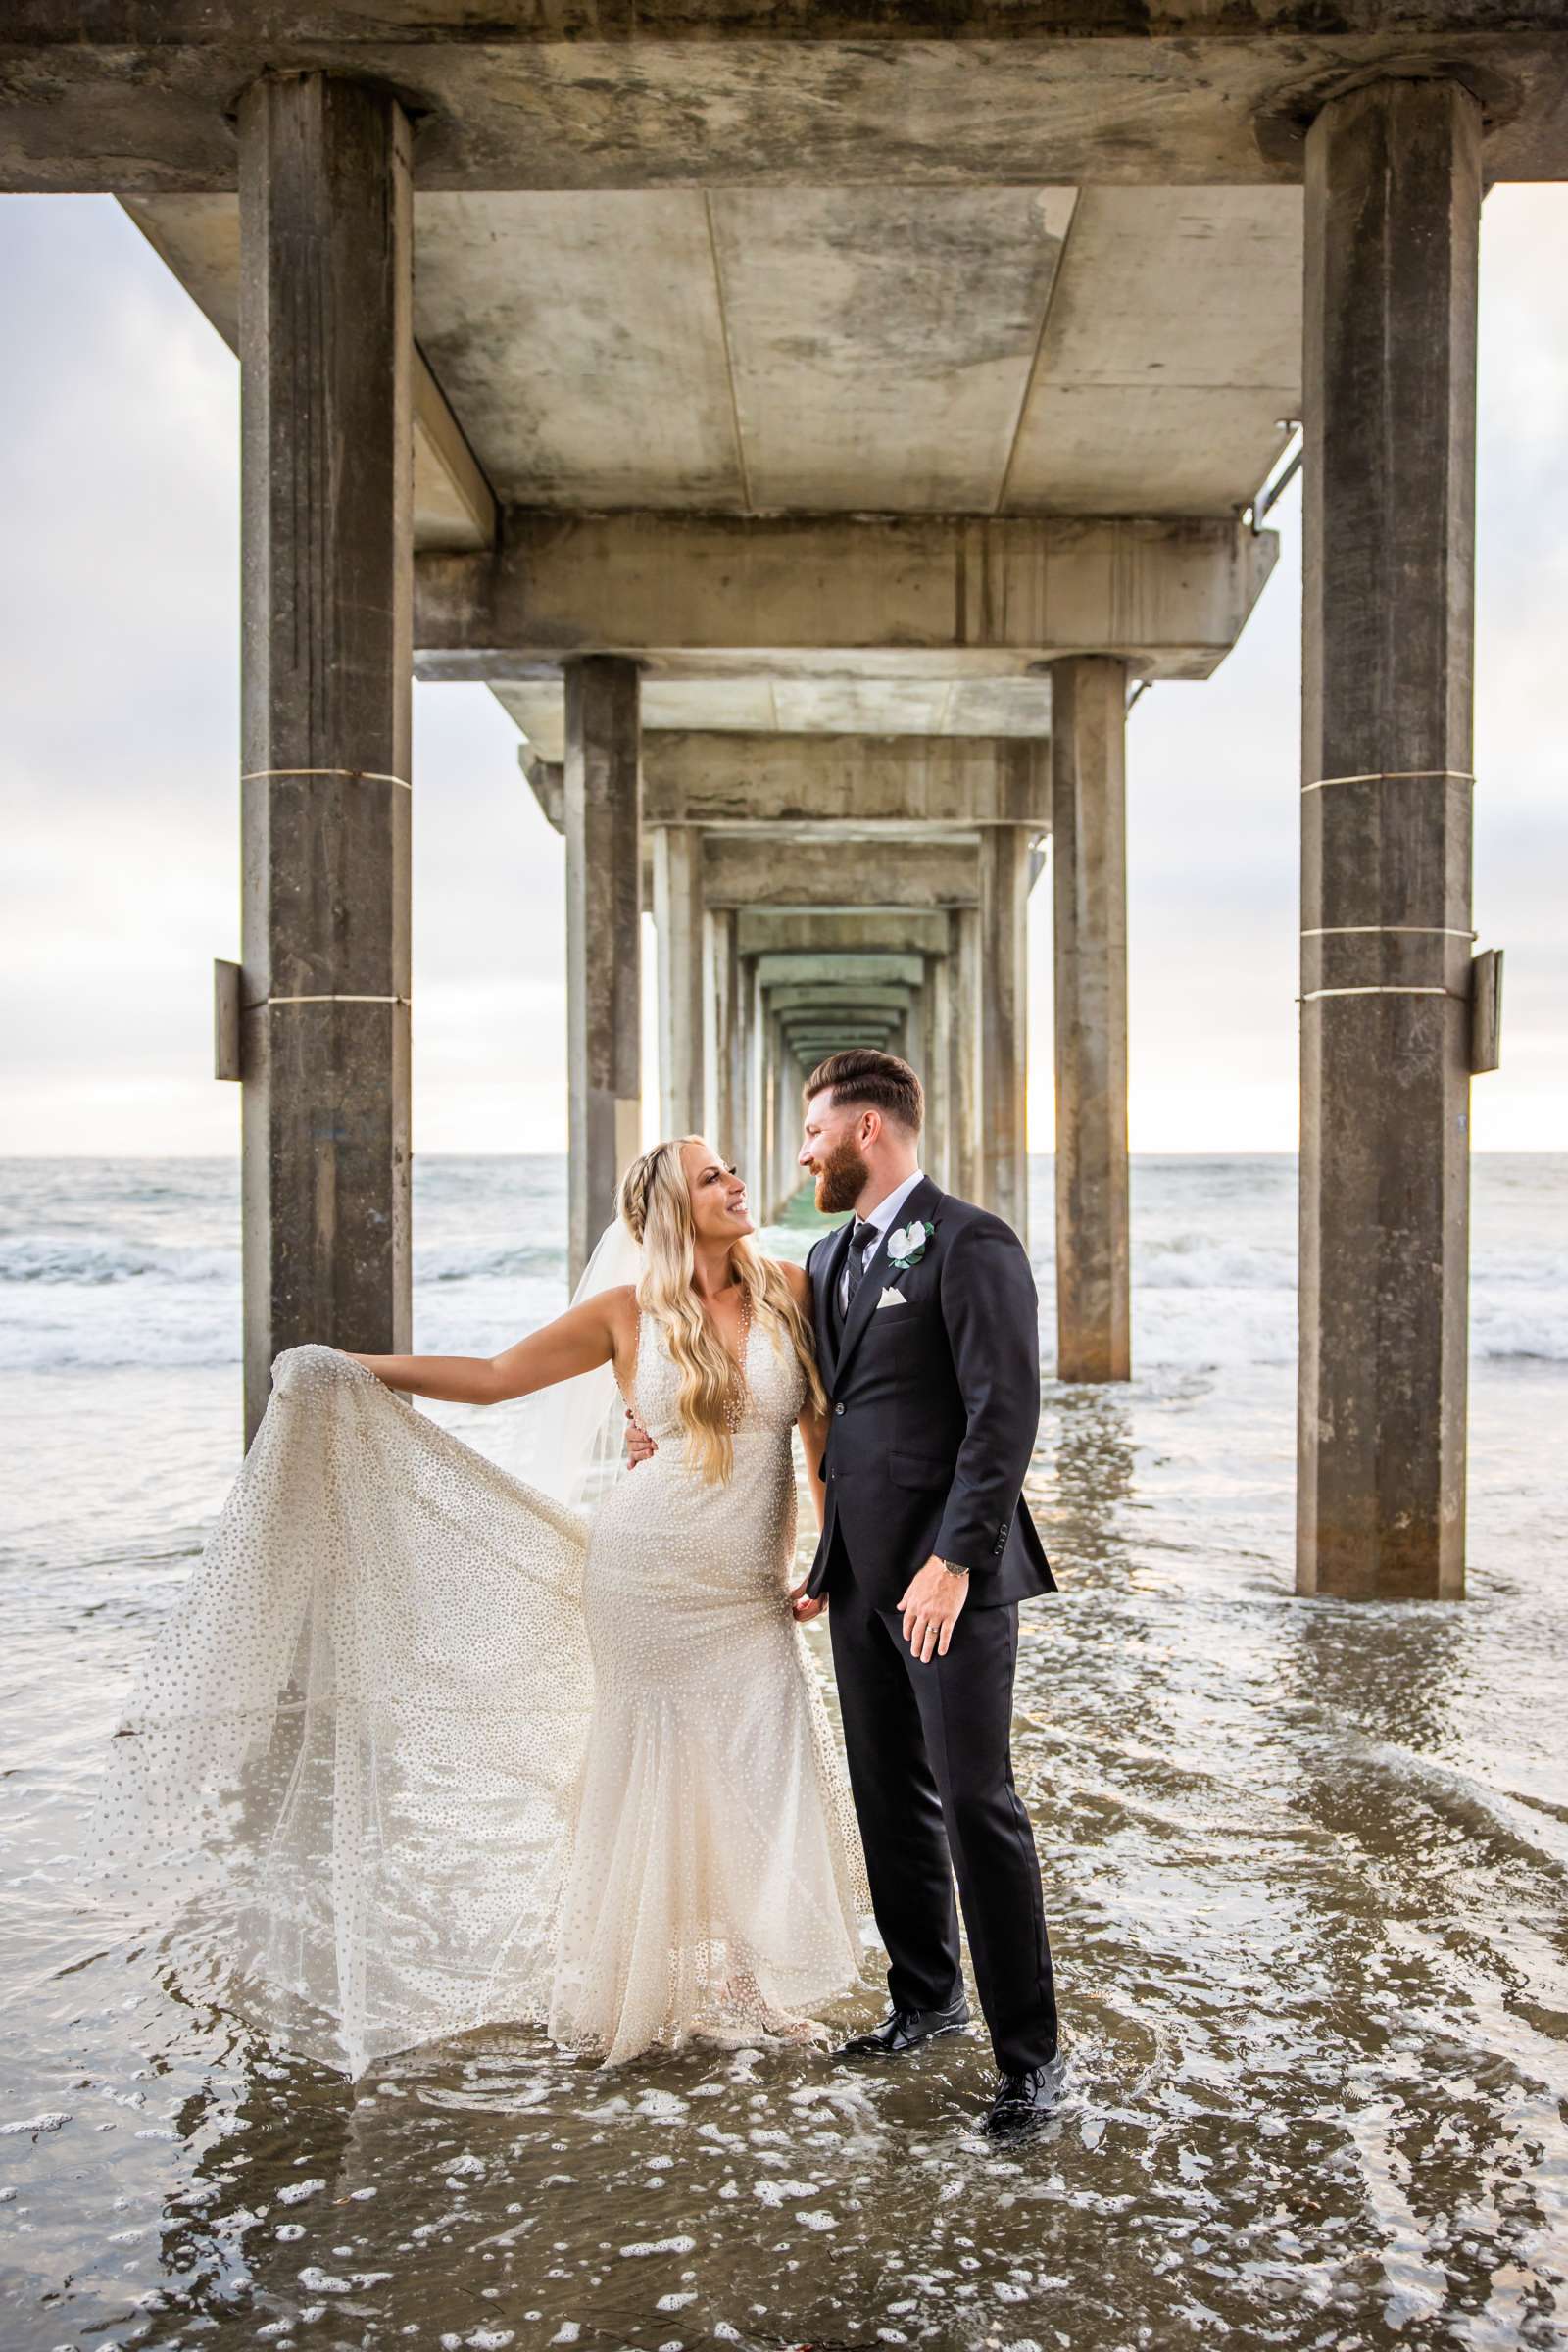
(612, 1312)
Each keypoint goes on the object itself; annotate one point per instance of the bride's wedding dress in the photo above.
(425, 1749)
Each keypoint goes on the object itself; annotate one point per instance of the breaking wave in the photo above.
(138, 1265)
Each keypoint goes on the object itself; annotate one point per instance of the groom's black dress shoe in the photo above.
(905, 2029)
(1023, 2101)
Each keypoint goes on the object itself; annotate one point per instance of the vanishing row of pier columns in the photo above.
(788, 931)
(758, 913)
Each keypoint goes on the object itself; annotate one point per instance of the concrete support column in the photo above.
(679, 921)
(963, 962)
(604, 940)
(786, 1120)
(1088, 851)
(738, 1050)
(1004, 1022)
(767, 1110)
(326, 461)
(721, 1032)
(936, 1070)
(758, 1123)
(714, 1037)
(772, 1081)
(741, 1088)
(1393, 214)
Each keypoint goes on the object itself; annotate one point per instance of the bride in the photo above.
(424, 1747)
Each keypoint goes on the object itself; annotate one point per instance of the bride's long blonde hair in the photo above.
(656, 1204)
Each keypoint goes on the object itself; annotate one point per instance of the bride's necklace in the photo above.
(735, 1395)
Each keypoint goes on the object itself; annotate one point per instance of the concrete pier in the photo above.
(1393, 213)
(721, 1031)
(1089, 849)
(601, 815)
(966, 1160)
(1005, 1023)
(678, 906)
(935, 1063)
(754, 1153)
(887, 560)
(789, 1072)
(325, 240)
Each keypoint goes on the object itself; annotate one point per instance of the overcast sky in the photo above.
(119, 485)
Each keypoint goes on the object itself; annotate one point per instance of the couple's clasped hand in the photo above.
(933, 1599)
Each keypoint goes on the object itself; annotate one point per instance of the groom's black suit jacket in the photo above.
(934, 1408)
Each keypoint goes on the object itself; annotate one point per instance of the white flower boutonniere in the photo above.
(907, 1246)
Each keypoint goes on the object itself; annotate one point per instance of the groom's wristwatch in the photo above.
(953, 1568)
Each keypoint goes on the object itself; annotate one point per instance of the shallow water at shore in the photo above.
(1306, 1871)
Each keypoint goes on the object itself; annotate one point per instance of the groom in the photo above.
(927, 1333)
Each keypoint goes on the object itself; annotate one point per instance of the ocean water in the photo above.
(1306, 1871)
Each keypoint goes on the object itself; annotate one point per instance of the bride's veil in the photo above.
(571, 1438)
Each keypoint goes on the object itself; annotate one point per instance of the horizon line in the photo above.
(1226, 1151)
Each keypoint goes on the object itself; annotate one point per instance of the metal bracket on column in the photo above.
(226, 1019)
(1486, 1011)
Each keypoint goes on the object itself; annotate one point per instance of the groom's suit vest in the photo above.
(934, 1405)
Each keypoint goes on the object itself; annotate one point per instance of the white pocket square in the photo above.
(891, 1298)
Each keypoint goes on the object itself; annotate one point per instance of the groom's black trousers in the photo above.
(931, 1769)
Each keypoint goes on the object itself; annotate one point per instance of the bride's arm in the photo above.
(811, 1423)
(579, 1341)
(812, 1426)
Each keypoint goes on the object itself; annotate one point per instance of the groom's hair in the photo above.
(882, 1080)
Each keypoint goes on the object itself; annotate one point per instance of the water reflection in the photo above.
(1083, 1479)
(1441, 1966)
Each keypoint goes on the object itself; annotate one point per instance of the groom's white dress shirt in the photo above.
(881, 1218)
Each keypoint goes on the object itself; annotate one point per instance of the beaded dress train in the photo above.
(420, 1750)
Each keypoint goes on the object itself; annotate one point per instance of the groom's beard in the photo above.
(840, 1178)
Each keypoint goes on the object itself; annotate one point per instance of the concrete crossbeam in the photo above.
(325, 363)
(834, 877)
(879, 970)
(815, 1043)
(838, 999)
(901, 785)
(842, 1037)
(764, 930)
(767, 701)
(118, 96)
(911, 595)
(913, 782)
(832, 1026)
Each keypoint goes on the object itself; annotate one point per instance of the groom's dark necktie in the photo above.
(863, 1234)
